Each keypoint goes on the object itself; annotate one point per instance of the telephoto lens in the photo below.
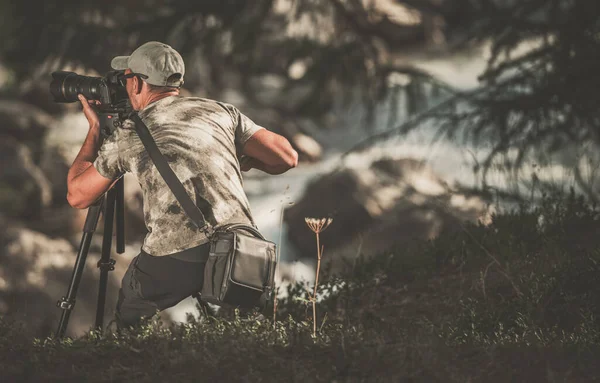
(66, 86)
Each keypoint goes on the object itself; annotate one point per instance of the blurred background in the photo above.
(409, 116)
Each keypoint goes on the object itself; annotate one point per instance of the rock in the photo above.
(38, 94)
(24, 189)
(26, 123)
(4, 75)
(307, 147)
(56, 167)
(35, 272)
(279, 92)
(23, 121)
(67, 135)
(385, 202)
(268, 88)
(60, 221)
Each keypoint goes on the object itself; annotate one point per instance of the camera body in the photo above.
(109, 90)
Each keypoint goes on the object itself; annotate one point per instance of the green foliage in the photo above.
(530, 277)
(227, 45)
(525, 287)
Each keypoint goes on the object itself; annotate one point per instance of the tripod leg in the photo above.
(106, 264)
(120, 215)
(67, 302)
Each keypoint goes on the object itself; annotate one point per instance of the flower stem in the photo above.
(278, 256)
(314, 300)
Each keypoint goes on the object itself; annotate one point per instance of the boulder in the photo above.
(26, 123)
(35, 272)
(24, 189)
(23, 121)
(308, 148)
(55, 167)
(378, 205)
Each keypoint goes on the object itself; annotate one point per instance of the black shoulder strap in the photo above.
(168, 175)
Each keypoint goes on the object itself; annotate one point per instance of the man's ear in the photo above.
(137, 85)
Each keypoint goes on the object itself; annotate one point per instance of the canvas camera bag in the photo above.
(240, 270)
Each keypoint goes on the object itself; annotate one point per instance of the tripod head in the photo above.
(112, 117)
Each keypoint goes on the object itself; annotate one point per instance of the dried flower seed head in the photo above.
(318, 225)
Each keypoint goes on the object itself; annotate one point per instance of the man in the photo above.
(203, 141)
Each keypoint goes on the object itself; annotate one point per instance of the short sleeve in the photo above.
(107, 163)
(244, 129)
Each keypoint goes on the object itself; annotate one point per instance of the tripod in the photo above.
(113, 204)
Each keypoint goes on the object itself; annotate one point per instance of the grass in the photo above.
(518, 300)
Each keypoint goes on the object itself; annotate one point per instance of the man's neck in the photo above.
(158, 96)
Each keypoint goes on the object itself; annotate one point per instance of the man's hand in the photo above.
(89, 111)
(245, 163)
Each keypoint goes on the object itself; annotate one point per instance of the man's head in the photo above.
(152, 71)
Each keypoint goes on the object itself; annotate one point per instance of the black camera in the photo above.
(109, 90)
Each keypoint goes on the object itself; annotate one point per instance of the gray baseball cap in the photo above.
(160, 62)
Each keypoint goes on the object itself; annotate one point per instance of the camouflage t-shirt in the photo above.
(201, 140)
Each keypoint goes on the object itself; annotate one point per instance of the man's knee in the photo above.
(130, 312)
(131, 306)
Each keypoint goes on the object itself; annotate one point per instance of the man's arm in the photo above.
(248, 163)
(269, 152)
(85, 185)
